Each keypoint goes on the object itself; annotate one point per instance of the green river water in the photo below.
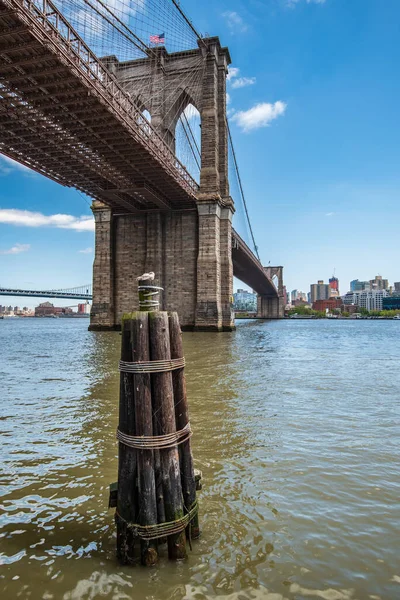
(296, 430)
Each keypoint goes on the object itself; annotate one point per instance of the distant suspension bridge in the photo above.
(83, 292)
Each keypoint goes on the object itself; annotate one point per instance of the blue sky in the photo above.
(314, 101)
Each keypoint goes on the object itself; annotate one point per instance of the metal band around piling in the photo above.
(158, 530)
(150, 296)
(152, 366)
(155, 442)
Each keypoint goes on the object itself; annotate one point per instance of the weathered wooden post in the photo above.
(164, 411)
(182, 419)
(147, 503)
(156, 481)
(127, 463)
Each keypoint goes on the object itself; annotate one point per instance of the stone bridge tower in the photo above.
(272, 307)
(189, 250)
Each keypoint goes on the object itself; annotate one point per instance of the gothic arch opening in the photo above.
(188, 140)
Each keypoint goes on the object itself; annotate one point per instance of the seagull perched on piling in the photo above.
(146, 277)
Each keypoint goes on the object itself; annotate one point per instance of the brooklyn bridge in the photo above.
(88, 100)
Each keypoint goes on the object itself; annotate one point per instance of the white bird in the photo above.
(146, 277)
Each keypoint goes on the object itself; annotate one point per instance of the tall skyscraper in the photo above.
(359, 286)
(334, 286)
(379, 283)
(320, 291)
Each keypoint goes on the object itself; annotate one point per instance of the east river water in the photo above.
(296, 430)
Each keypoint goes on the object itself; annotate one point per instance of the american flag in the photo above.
(158, 39)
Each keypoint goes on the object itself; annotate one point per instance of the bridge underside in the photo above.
(64, 114)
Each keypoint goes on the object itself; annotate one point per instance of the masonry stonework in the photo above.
(272, 307)
(189, 250)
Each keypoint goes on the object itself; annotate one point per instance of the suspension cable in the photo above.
(140, 45)
(191, 134)
(190, 143)
(241, 190)
(192, 27)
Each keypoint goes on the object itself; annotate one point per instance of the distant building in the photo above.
(84, 309)
(320, 291)
(244, 300)
(323, 305)
(297, 295)
(334, 286)
(397, 286)
(378, 283)
(300, 302)
(359, 286)
(47, 309)
(371, 300)
(391, 303)
(285, 295)
(351, 298)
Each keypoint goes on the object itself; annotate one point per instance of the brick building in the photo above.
(330, 304)
(47, 309)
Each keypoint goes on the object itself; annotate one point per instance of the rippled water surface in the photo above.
(296, 432)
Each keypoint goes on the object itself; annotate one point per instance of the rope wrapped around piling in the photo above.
(159, 530)
(152, 366)
(148, 301)
(155, 442)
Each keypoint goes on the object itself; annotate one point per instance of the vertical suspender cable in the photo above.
(190, 143)
(191, 134)
(241, 190)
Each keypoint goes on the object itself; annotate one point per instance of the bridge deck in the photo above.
(248, 268)
(63, 114)
(45, 294)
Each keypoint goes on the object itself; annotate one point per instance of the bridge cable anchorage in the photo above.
(241, 189)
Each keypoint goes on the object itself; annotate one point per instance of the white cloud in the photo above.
(243, 82)
(234, 21)
(191, 112)
(26, 218)
(86, 251)
(228, 98)
(232, 72)
(17, 249)
(7, 165)
(259, 115)
(330, 214)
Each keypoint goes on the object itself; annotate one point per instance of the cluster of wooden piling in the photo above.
(156, 483)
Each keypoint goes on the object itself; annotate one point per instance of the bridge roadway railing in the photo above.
(43, 15)
(249, 269)
(73, 295)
